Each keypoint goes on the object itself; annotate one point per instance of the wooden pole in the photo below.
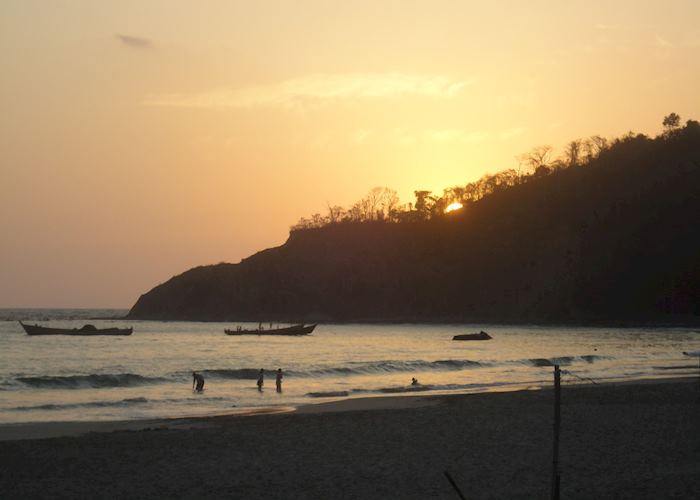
(557, 419)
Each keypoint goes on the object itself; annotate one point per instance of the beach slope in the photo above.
(617, 441)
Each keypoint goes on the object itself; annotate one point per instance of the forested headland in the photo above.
(607, 231)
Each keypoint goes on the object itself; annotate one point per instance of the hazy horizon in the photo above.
(141, 140)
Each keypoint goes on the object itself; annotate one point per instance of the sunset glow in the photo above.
(154, 137)
(212, 210)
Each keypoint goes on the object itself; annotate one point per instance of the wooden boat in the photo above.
(473, 336)
(289, 330)
(85, 331)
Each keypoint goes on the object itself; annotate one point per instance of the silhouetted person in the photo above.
(278, 380)
(199, 380)
(261, 379)
(414, 381)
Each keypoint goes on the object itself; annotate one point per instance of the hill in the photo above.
(614, 238)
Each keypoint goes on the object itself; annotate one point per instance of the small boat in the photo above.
(289, 330)
(482, 335)
(85, 331)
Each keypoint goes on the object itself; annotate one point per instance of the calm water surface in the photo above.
(148, 374)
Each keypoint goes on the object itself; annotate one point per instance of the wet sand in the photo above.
(617, 441)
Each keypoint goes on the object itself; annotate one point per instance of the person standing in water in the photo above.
(196, 377)
(278, 380)
(261, 379)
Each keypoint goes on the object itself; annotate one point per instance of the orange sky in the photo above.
(139, 139)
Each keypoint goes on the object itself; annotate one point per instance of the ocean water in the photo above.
(148, 374)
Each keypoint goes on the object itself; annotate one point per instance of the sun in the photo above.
(453, 206)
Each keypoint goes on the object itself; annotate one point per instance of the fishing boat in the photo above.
(482, 335)
(85, 331)
(289, 330)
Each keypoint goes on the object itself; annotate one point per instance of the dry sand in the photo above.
(631, 441)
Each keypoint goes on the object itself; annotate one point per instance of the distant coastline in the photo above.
(611, 240)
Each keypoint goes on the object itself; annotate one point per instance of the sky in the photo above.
(139, 139)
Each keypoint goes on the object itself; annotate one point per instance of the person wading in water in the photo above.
(197, 378)
(278, 380)
(261, 379)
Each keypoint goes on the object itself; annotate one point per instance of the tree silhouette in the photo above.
(335, 213)
(671, 123)
(382, 204)
(424, 203)
(537, 157)
(573, 153)
(594, 145)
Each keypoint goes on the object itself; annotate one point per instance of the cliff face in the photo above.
(617, 239)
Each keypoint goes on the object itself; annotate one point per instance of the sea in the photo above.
(149, 374)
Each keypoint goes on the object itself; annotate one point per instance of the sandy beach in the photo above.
(636, 441)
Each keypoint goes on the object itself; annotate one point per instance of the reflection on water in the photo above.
(149, 374)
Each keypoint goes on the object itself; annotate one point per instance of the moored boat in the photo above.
(482, 335)
(85, 331)
(289, 330)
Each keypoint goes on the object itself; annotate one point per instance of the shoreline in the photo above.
(634, 440)
(53, 429)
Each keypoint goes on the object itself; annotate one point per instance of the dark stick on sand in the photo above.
(454, 485)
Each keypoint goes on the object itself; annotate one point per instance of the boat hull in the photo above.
(295, 330)
(473, 336)
(82, 332)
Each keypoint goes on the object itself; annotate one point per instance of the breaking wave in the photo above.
(356, 368)
(329, 394)
(88, 381)
(96, 381)
(233, 373)
(89, 404)
(679, 367)
(564, 360)
(107, 404)
(361, 368)
(411, 388)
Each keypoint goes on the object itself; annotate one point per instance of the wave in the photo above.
(414, 388)
(350, 369)
(678, 367)
(234, 373)
(89, 404)
(389, 366)
(88, 381)
(409, 389)
(406, 366)
(329, 394)
(564, 360)
(355, 368)
(118, 403)
(432, 387)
